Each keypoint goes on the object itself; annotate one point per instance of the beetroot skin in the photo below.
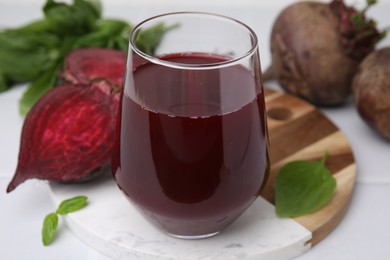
(67, 136)
(371, 91)
(316, 48)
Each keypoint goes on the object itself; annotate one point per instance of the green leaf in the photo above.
(148, 40)
(76, 19)
(38, 26)
(71, 205)
(382, 35)
(49, 228)
(20, 68)
(303, 187)
(371, 2)
(51, 220)
(35, 52)
(27, 41)
(107, 35)
(358, 20)
(37, 89)
(24, 57)
(3, 82)
(97, 5)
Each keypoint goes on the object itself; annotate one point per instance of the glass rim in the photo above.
(177, 65)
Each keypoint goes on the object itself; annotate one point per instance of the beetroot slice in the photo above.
(67, 136)
(82, 66)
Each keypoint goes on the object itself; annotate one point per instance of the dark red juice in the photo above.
(192, 143)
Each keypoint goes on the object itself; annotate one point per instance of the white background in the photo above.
(364, 233)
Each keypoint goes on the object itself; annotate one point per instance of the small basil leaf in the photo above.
(49, 228)
(303, 187)
(71, 205)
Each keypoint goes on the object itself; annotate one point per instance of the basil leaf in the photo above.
(19, 66)
(62, 19)
(24, 57)
(303, 187)
(3, 82)
(97, 5)
(107, 35)
(51, 220)
(148, 39)
(15, 40)
(37, 89)
(49, 228)
(71, 205)
(76, 19)
(35, 52)
(38, 26)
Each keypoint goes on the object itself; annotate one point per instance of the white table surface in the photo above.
(364, 233)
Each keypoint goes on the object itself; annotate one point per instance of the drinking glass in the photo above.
(192, 147)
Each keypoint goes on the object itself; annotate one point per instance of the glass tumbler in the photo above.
(192, 148)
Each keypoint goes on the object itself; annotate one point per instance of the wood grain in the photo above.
(298, 131)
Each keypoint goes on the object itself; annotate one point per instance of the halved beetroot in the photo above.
(67, 136)
(82, 66)
(107, 88)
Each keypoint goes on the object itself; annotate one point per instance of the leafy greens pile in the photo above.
(35, 52)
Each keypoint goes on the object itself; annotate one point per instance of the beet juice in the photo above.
(192, 144)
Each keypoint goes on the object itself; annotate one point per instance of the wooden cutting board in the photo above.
(298, 131)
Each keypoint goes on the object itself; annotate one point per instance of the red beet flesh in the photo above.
(67, 136)
(69, 133)
(82, 66)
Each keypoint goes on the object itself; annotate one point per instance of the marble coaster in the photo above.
(111, 225)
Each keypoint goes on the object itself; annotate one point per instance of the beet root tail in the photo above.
(18, 179)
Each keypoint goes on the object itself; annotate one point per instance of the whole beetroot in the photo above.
(371, 91)
(316, 48)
